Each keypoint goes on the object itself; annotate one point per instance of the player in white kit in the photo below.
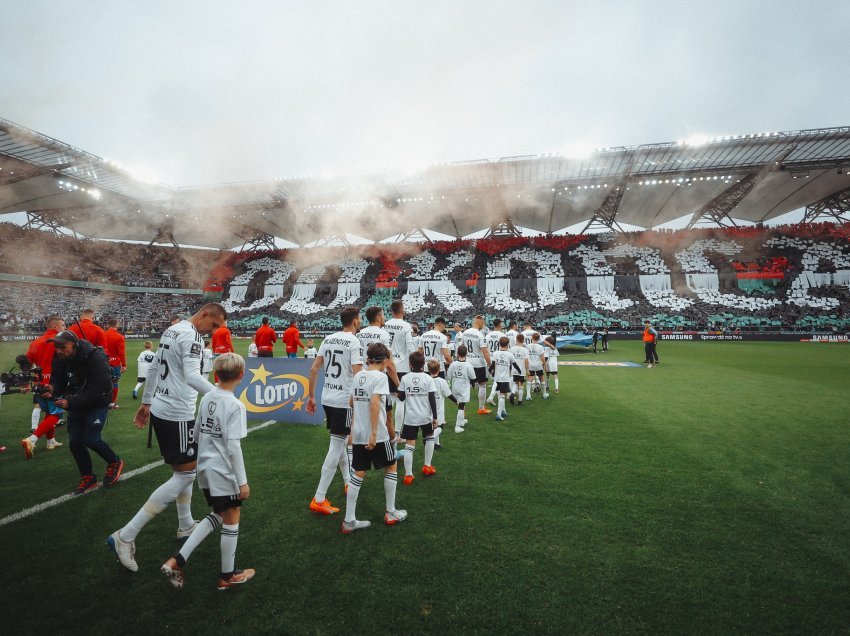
(341, 357)
(479, 357)
(143, 364)
(503, 366)
(520, 354)
(461, 375)
(492, 342)
(401, 346)
(171, 389)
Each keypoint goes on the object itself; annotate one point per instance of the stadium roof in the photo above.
(749, 177)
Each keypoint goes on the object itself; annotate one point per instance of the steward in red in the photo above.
(264, 338)
(85, 329)
(221, 342)
(292, 339)
(40, 354)
(117, 358)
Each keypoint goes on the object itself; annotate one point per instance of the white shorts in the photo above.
(552, 365)
(462, 397)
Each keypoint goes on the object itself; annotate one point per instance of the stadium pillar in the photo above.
(834, 208)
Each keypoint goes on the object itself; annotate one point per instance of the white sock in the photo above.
(492, 392)
(398, 410)
(437, 433)
(556, 383)
(459, 419)
(519, 392)
(229, 537)
(345, 464)
(429, 451)
(408, 459)
(32, 438)
(351, 497)
(36, 416)
(390, 483)
(527, 390)
(156, 503)
(501, 408)
(183, 503)
(138, 386)
(482, 395)
(205, 527)
(336, 447)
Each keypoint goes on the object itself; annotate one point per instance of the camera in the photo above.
(22, 375)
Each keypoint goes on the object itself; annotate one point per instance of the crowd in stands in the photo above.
(757, 277)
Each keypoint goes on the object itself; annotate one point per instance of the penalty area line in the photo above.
(28, 512)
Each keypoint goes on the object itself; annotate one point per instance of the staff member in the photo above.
(292, 340)
(221, 342)
(650, 339)
(115, 347)
(40, 354)
(265, 337)
(85, 329)
(81, 383)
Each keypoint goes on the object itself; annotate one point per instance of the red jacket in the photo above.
(265, 338)
(41, 352)
(221, 342)
(292, 338)
(115, 345)
(87, 330)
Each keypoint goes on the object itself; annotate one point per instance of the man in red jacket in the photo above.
(85, 329)
(117, 357)
(292, 339)
(40, 354)
(265, 337)
(221, 342)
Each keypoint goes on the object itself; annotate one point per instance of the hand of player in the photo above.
(434, 424)
(123, 369)
(311, 405)
(141, 418)
(62, 404)
(244, 492)
(373, 441)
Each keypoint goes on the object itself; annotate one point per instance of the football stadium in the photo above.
(629, 366)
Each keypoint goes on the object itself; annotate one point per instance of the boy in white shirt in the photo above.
(372, 438)
(206, 360)
(220, 424)
(443, 391)
(310, 351)
(502, 368)
(143, 363)
(461, 374)
(520, 354)
(535, 367)
(551, 357)
(253, 350)
(418, 393)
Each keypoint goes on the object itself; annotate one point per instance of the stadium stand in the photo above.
(761, 278)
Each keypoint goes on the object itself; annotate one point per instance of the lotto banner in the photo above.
(276, 389)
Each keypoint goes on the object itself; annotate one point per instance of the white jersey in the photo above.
(371, 334)
(461, 375)
(475, 344)
(492, 341)
(435, 346)
(527, 334)
(443, 391)
(221, 419)
(401, 343)
(417, 341)
(174, 377)
(511, 334)
(551, 356)
(144, 362)
(365, 385)
(339, 352)
(416, 387)
(504, 366)
(520, 354)
(535, 350)
(310, 352)
(207, 361)
(253, 352)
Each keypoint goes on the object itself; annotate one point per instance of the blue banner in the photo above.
(276, 389)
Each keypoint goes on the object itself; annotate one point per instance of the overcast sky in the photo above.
(206, 92)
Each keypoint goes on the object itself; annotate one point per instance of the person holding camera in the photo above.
(81, 383)
(40, 355)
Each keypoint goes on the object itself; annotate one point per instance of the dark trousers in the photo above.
(649, 348)
(84, 428)
(265, 354)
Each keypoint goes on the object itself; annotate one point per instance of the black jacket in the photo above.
(85, 379)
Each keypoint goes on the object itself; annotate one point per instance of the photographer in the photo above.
(40, 355)
(81, 383)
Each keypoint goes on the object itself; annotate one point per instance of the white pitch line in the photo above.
(23, 514)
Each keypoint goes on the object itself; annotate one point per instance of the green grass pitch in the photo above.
(709, 494)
